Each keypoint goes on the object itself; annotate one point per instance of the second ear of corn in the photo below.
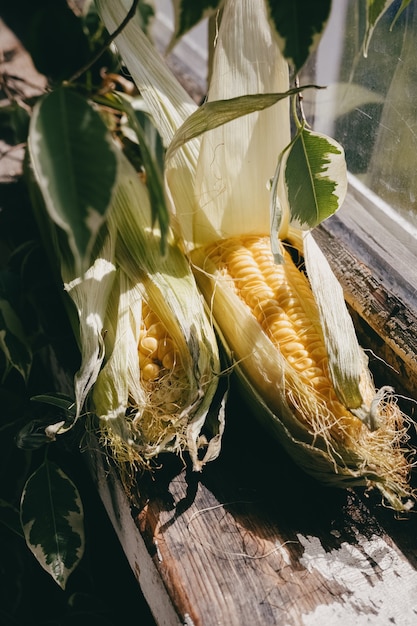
(150, 364)
(280, 356)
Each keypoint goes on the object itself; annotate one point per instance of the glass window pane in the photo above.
(370, 104)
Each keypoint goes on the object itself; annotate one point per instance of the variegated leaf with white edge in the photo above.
(52, 519)
(299, 25)
(76, 187)
(315, 178)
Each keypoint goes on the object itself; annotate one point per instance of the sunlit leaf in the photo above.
(75, 165)
(213, 114)
(345, 356)
(315, 177)
(52, 519)
(299, 25)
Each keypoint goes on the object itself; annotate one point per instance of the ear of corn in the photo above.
(149, 357)
(161, 363)
(280, 354)
(308, 385)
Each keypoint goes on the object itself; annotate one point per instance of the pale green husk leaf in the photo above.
(166, 100)
(346, 359)
(168, 286)
(237, 160)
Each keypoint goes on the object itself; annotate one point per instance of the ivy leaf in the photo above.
(53, 522)
(75, 166)
(188, 13)
(315, 178)
(299, 25)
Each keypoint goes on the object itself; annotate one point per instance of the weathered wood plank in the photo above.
(378, 274)
(252, 540)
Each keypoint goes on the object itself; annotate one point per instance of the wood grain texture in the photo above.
(253, 541)
(378, 274)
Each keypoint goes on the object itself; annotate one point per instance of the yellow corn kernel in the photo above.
(281, 300)
(148, 345)
(273, 333)
(279, 309)
(151, 371)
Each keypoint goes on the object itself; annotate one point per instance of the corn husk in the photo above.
(219, 188)
(137, 422)
(167, 285)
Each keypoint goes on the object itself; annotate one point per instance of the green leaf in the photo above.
(152, 153)
(13, 342)
(188, 13)
(375, 9)
(53, 522)
(33, 435)
(299, 25)
(75, 165)
(213, 114)
(59, 400)
(41, 431)
(315, 177)
(404, 5)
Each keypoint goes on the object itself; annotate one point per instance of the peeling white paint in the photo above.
(380, 585)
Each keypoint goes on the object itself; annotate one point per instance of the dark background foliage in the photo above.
(103, 589)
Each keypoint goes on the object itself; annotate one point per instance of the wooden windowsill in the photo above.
(378, 274)
(253, 541)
